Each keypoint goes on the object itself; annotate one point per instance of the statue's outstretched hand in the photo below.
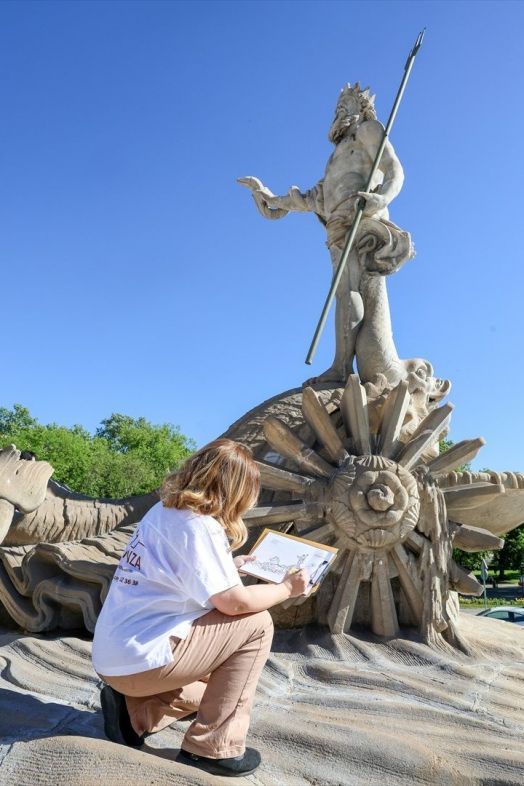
(253, 183)
(266, 202)
(374, 202)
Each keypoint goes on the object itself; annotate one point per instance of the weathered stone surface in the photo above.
(330, 710)
(59, 585)
(23, 483)
(474, 539)
(499, 515)
(67, 515)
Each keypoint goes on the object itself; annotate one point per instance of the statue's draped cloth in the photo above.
(386, 247)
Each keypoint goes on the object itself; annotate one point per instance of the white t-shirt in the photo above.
(175, 560)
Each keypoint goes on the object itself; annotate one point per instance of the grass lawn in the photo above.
(478, 603)
(510, 576)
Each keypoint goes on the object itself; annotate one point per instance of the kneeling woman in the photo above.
(178, 631)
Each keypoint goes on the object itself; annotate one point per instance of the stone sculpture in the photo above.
(34, 509)
(370, 480)
(351, 459)
(362, 317)
(59, 548)
(391, 506)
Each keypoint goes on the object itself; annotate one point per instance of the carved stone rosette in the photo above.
(375, 503)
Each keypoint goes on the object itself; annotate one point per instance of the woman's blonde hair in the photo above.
(221, 480)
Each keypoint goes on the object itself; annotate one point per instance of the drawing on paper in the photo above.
(276, 554)
(274, 565)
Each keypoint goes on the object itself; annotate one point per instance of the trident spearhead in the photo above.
(419, 40)
(416, 47)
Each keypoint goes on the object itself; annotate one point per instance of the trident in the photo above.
(361, 204)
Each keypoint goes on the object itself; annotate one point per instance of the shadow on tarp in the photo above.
(169, 754)
(300, 640)
(25, 717)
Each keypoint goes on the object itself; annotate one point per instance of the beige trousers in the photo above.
(214, 671)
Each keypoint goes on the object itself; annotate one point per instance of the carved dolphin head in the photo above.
(23, 485)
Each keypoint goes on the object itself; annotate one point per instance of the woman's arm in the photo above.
(259, 597)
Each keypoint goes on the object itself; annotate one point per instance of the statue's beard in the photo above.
(341, 126)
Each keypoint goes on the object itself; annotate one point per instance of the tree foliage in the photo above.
(472, 562)
(125, 456)
(511, 557)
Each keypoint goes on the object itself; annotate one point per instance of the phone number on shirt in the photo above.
(134, 582)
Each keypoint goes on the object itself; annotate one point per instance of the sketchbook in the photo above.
(277, 553)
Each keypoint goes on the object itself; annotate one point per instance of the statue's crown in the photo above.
(355, 91)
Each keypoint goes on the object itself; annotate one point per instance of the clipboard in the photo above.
(278, 553)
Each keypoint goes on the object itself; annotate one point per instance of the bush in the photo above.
(125, 456)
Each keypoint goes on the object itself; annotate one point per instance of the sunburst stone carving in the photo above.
(375, 494)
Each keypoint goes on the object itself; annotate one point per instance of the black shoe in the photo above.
(117, 724)
(234, 767)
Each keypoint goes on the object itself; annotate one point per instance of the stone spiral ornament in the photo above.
(382, 506)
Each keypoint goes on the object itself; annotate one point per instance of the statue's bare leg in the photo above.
(349, 313)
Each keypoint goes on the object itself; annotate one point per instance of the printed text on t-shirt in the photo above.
(131, 555)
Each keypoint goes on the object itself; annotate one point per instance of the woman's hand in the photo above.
(259, 597)
(297, 582)
(242, 559)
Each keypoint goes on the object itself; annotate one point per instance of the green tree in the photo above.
(147, 449)
(511, 557)
(469, 561)
(16, 419)
(126, 456)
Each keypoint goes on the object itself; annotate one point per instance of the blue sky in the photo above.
(137, 276)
